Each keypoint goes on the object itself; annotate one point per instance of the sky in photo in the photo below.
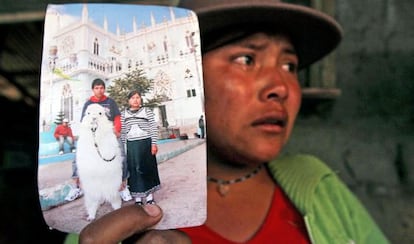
(120, 14)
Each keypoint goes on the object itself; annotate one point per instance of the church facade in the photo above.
(168, 52)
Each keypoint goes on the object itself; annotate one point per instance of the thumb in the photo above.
(121, 223)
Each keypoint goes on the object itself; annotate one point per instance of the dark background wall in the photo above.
(367, 135)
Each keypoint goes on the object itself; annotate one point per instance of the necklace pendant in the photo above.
(223, 189)
(223, 186)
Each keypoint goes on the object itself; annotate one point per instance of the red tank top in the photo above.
(283, 224)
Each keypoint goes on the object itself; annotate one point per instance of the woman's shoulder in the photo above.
(304, 164)
(300, 175)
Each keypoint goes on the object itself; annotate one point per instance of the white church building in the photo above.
(168, 52)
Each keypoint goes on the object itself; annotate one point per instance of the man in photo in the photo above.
(63, 133)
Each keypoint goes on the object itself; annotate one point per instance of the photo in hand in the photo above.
(121, 101)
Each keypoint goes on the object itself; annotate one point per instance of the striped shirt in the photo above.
(138, 125)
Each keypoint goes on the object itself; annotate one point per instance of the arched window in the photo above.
(67, 102)
(188, 39)
(96, 47)
(165, 44)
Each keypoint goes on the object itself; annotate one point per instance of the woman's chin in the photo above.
(260, 157)
(266, 154)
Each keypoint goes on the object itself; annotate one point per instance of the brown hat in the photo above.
(313, 33)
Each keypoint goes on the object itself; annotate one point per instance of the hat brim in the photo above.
(313, 33)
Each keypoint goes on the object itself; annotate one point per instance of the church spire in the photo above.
(172, 14)
(84, 13)
(105, 24)
(58, 21)
(134, 25)
(152, 19)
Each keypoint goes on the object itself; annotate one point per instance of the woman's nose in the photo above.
(274, 85)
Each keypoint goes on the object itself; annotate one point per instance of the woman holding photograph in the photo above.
(139, 134)
(252, 51)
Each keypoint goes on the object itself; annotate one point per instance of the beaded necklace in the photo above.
(223, 186)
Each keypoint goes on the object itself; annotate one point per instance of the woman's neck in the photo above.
(225, 169)
(235, 200)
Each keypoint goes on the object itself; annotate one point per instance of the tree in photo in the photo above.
(134, 80)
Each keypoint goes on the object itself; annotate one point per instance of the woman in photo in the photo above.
(139, 134)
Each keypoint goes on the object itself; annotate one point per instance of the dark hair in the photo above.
(133, 92)
(98, 82)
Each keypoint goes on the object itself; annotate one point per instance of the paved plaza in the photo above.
(182, 169)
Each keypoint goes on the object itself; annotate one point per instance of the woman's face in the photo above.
(135, 101)
(252, 97)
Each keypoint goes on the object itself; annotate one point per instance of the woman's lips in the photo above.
(272, 124)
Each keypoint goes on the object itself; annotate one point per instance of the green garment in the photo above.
(72, 238)
(332, 213)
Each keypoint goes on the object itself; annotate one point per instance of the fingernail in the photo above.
(152, 210)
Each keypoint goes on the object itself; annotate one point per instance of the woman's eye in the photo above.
(290, 67)
(244, 59)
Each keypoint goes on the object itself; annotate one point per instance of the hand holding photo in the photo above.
(120, 107)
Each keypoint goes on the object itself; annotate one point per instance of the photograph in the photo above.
(207, 121)
(121, 114)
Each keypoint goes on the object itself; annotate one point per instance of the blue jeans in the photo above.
(62, 140)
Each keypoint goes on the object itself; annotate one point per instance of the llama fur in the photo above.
(99, 161)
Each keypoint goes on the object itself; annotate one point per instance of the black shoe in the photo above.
(151, 202)
(138, 203)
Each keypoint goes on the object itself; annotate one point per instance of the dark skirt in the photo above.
(142, 166)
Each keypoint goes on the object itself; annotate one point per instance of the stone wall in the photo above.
(367, 135)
